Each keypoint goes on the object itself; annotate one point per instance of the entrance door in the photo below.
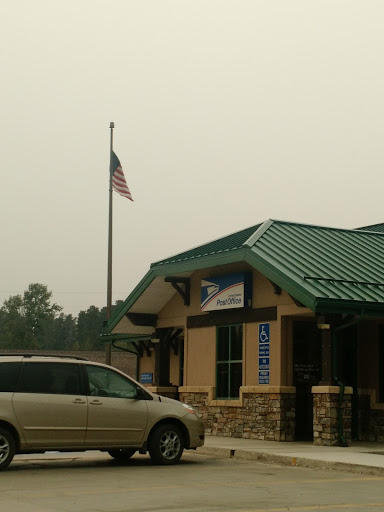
(306, 373)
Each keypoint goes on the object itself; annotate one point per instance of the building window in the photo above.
(229, 361)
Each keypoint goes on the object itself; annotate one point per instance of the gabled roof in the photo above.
(326, 269)
(223, 244)
(379, 228)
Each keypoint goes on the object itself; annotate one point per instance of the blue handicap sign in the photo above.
(263, 333)
(264, 361)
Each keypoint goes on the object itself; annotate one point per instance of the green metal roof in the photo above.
(226, 243)
(379, 228)
(326, 269)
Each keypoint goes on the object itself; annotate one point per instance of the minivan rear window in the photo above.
(51, 378)
(9, 373)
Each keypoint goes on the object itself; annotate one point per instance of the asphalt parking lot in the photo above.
(94, 482)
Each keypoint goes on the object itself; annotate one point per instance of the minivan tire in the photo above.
(123, 454)
(166, 445)
(7, 448)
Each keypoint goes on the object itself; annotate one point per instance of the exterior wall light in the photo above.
(322, 324)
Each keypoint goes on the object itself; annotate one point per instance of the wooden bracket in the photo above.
(184, 293)
(174, 342)
(276, 288)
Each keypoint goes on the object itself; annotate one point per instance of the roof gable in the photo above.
(323, 264)
(226, 243)
(326, 269)
(379, 228)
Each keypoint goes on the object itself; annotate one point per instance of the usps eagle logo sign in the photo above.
(226, 292)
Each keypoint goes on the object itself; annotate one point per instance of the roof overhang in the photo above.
(303, 296)
(137, 314)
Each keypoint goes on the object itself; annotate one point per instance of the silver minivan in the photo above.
(72, 404)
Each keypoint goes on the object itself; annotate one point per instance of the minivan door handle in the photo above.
(96, 402)
(78, 401)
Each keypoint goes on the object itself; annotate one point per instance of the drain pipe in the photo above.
(342, 440)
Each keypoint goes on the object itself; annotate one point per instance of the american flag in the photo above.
(118, 179)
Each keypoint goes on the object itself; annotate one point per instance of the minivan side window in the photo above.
(51, 378)
(9, 373)
(105, 382)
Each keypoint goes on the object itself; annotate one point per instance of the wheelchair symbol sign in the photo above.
(263, 333)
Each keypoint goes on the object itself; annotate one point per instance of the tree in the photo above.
(37, 306)
(89, 328)
(32, 321)
(13, 325)
(58, 333)
(25, 320)
(90, 325)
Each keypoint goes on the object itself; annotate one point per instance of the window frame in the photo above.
(229, 361)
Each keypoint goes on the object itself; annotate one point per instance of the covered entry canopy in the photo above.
(328, 270)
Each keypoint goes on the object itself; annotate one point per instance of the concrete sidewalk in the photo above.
(366, 458)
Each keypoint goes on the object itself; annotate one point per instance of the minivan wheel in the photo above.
(7, 448)
(166, 445)
(122, 455)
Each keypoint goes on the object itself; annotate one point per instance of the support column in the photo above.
(108, 353)
(332, 417)
(162, 357)
(326, 358)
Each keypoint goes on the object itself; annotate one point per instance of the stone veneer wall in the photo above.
(268, 416)
(326, 404)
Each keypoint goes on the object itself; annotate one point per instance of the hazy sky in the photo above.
(227, 113)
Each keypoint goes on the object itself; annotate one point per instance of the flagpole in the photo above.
(109, 273)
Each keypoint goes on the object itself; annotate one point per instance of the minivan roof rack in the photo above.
(29, 354)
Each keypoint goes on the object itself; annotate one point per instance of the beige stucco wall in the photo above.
(201, 361)
(200, 343)
(147, 364)
(263, 294)
(200, 357)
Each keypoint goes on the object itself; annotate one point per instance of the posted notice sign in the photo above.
(146, 378)
(264, 347)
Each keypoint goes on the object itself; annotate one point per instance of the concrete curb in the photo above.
(288, 460)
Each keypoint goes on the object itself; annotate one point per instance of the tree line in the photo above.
(32, 322)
